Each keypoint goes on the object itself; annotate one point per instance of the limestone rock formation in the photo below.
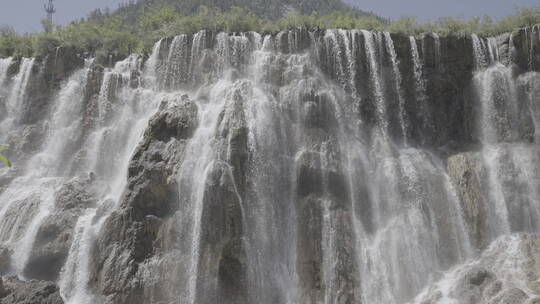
(303, 166)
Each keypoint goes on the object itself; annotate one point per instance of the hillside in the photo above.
(265, 9)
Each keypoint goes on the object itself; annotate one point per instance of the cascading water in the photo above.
(76, 147)
(418, 71)
(14, 100)
(286, 168)
(123, 112)
(515, 200)
(438, 59)
(479, 51)
(397, 76)
(371, 56)
(5, 63)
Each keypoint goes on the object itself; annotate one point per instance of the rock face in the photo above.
(300, 167)
(14, 291)
(144, 224)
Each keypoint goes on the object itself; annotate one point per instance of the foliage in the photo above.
(47, 25)
(4, 159)
(12, 44)
(263, 9)
(484, 26)
(136, 27)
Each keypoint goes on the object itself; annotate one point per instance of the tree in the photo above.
(405, 25)
(47, 25)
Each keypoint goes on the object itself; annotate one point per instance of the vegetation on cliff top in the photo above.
(136, 27)
(264, 9)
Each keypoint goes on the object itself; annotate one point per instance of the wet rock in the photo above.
(5, 260)
(55, 235)
(151, 187)
(318, 112)
(175, 122)
(319, 172)
(468, 174)
(309, 175)
(498, 276)
(18, 215)
(511, 296)
(471, 285)
(14, 291)
(75, 194)
(139, 231)
(528, 106)
(222, 228)
(23, 142)
(310, 248)
(50, 250)
(222, 253)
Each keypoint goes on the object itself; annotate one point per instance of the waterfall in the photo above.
(110, 145)
(153, 65)
(177, 61)
(18, 90)
(420, 83)
(15, 99)
(438, 59)
(5, 63)
(397, 77)
(198, 164)
(283, 168)
(493, 49)
(36, 186)
(371, 54)
(479, 52)
(418, 71)
(503, 152)
(529, 36)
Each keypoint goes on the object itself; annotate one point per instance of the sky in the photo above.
(26, 15)
(429, 10)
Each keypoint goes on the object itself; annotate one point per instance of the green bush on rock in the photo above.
(4, 159)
